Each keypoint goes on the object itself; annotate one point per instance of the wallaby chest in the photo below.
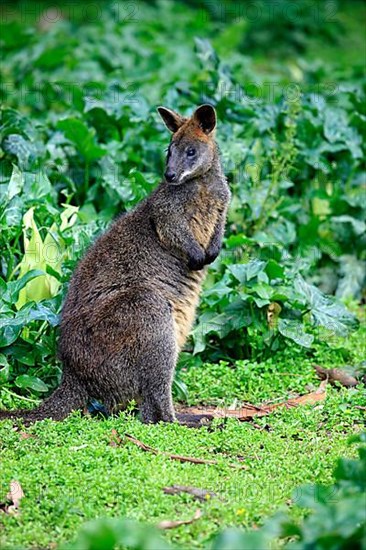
(203, 211)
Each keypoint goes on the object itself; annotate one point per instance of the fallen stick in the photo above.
(180, 458)
(168, 524)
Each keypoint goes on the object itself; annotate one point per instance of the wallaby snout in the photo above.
(170, 176)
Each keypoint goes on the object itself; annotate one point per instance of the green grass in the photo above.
(287, 373)
(70, 473)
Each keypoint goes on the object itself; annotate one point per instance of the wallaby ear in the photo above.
(205, 116)
(173, 121)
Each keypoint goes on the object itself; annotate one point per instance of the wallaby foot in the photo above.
(157, 403)
(153, 411)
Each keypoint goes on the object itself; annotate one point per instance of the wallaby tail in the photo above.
(70, 395)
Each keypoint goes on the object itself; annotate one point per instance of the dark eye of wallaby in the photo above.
(191, 152)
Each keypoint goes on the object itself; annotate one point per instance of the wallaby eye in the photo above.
(191, 152)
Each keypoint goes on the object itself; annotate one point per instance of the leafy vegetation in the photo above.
(80, 143)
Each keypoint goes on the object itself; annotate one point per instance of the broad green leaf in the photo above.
(14, 287)
(180, 390)
(82, 137)
(26, 381)
(294, 330)
(239, 272)
(337, 129)
(325, 311)
(274, 270)
(263, 290)
(209, 322)
(42, 312)
(22, 148)
(10, 329)
(352, 470)
(13, 212)
(353, 276)
(246, 272)
(235, 539)
(110, 533)
(12, 324)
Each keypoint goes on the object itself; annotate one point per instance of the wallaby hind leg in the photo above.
(156, 384)
(158, 408)
(141, 351)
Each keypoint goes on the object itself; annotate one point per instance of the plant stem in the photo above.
(28, 399)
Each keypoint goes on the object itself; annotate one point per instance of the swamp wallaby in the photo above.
(132, 299)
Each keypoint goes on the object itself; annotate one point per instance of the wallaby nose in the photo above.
(170, 176)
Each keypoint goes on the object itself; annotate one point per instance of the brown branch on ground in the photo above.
(180, 458)
(168, 524)
(248, 411)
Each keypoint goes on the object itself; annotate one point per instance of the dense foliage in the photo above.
(81, 143)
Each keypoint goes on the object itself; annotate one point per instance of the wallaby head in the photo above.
(192, 147)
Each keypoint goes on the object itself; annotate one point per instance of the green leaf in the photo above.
(13, 212)
(4, 369)
(326, 311)
(26, 381)
(10, 328)
(111, 533)
(180, 390)
(82, 137)
(41, 311)
(359, 226)
(246, 272)
(338, 130)
(274, 270)
(263, 290)
(233, 539)
(239, 272)
(16, 183)
(11, 325)
(15, 287)
(352, 470)
(353, 275)
(22, 148)
(294, 330)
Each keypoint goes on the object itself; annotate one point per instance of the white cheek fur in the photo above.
(185, 174)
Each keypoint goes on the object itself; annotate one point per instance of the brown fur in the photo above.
(132, 299)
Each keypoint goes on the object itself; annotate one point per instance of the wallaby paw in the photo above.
(196, 261)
